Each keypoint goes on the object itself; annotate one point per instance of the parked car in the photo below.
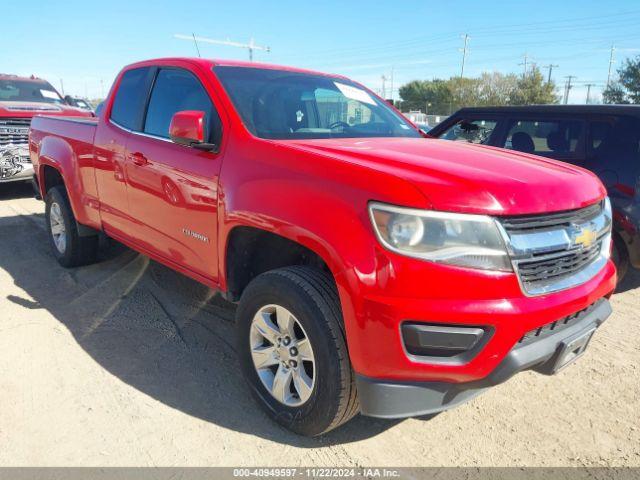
(80, 103)
(20, 99)
(424, 127)
(602, 138)
(375, 271)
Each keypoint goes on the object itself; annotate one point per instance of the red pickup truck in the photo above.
(20, 99)
(376, 271)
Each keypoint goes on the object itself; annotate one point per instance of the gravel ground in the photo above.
(128, 363)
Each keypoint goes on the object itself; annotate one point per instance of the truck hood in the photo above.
(30, 109)
(469, 178)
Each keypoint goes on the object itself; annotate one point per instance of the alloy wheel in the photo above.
(58, 229)
(282, 355)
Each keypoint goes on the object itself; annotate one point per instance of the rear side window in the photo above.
(552, 138)
(175, 90)
(613, 150)
(470, 131)
(128, 105)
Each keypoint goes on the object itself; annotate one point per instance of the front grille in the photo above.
(563, 264)
(554, 327)
(548, 252)
(14, 131)
(522, 223)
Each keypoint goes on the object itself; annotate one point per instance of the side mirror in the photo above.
(69, 100)
(187, 128)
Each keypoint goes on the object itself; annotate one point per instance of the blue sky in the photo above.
(86, 43)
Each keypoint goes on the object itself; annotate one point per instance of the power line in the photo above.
(535, 30)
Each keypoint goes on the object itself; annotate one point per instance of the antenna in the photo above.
(196, 44)
(251, 46)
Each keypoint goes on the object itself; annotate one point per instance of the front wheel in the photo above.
(620, 256)
(69, 248)
(293, 352)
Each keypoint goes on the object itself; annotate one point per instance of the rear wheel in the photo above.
(69, 248)
(293, 352)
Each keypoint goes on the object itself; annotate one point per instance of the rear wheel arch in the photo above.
(68, 245)
(50, 177)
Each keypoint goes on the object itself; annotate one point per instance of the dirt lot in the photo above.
(128, 363)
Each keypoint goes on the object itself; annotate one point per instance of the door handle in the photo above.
(139, 159)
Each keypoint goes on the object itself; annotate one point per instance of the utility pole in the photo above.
(464, 53)
(251, 46)
(550, 67)
(589, 85)
(611, 62)
(62, 87)
(384, 88)
(568, 87)
(392, 99)
(525, 63)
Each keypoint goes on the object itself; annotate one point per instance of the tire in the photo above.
(310, 296)
(70, 249)
(620, 256)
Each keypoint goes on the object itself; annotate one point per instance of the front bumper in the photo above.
(15, 164)
(393, 399)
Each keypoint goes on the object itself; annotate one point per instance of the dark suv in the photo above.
(602, 138)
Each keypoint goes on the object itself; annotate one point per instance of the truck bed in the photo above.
(73, 129)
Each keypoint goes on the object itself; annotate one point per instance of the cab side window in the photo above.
(471, 131)
(613, 150)
(175, 90)
(128, 104)
(551, 138)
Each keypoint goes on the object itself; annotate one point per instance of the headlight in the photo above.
(472, 241)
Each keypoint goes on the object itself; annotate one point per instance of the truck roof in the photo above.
(208, 63)
(566, 109)
(32, 78)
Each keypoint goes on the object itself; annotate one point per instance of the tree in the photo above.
(490, 89)
(432, 95)
(627, 88)
(532, 89)
(464, 92)
(496, 88)
(614, 93)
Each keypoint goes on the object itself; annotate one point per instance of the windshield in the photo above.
(278, 104)
(26, 91)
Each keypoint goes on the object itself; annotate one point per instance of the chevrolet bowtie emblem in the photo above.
(585, 237)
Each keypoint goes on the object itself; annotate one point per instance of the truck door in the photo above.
(110, 141)
(172, 188)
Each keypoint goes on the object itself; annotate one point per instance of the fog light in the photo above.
(441, 341)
